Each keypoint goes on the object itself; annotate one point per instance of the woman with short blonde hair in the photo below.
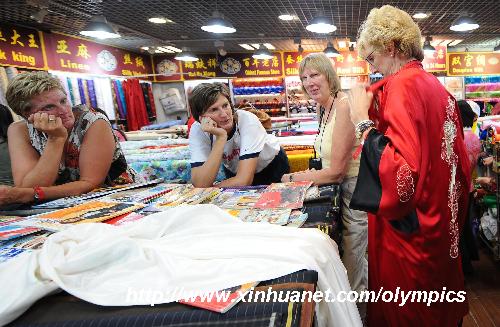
(414, 177)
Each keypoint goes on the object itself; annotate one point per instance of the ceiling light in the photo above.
(145, 48)
(455, 42)
(245, 46)
(172, 48)
(262, 53)
(330, 51)
(186, 55)
(159, 20)
(39, 16)
(321, 24)
(464, 23)
(341, 44)
(420, 15)
(217, 24)
(269, 46)
(165, 49)
(497, 48)
(98, 27)
(255, 45)
(428, 48)
(286, 17)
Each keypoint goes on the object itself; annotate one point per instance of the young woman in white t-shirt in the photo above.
(235, 139)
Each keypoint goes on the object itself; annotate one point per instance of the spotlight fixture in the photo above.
(286, 17)
(464, 23)
(217, 24)
(98, 27)
(420, 15)
(428, 48)
(159, 20)
(321, 24)
(262, 53)
(330, 51)
(497, 48)
(351, 46)
(186, 55)
(39, 16)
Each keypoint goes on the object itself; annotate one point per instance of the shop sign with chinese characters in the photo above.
(21, 47)
(232, 65)
(243, 65)
(436, 61)
(204, 67)
(166, 68)
(473, 63)
(347, 64)
(71, 54)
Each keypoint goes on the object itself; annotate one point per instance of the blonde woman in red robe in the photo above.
(413, 180)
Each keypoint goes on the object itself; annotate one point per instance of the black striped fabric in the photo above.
(64, 310)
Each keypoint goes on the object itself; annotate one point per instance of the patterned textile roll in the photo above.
(76, 91)
(122, 97)
(151, 99)
(70, 91)
(86, 92)
(144, 87)
(11, 72)
(92, 95)
(103, 89)
(118, 99)
(115, 101)
(4, 81)
(81, 91)
(99, 94)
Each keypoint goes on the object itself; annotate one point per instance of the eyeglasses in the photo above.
(369, 58)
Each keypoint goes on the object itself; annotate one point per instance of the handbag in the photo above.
(324, 212)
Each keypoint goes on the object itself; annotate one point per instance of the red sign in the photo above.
(473, 63)
(71, 54)
(244, 65)
(21, 47)
(204, 67)
(347, 64)
(167, 68)
(232, 65)
(436, 61)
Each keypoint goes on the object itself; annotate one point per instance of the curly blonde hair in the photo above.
(322, 64)
(25, 86)
(389, 24)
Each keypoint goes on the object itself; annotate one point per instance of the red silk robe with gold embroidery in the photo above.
(414, 182)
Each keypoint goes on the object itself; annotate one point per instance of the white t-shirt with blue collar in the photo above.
(247, 140)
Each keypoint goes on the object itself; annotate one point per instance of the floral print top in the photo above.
(69, 171)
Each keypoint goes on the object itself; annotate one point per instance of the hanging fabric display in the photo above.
(92, 95)
(136, 107)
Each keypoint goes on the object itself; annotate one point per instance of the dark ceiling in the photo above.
(256, 21)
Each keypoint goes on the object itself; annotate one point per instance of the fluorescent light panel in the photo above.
(245, 46)
(172, 48)
(269, 46)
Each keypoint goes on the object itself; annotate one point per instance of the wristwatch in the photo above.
(39, 194)
(362, 126)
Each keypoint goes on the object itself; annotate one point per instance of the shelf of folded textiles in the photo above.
(492, 245)
(483, 99)
(263, 95)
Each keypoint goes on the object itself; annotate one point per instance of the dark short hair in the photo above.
(466, 113)
(206, 94)
(5, 120)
